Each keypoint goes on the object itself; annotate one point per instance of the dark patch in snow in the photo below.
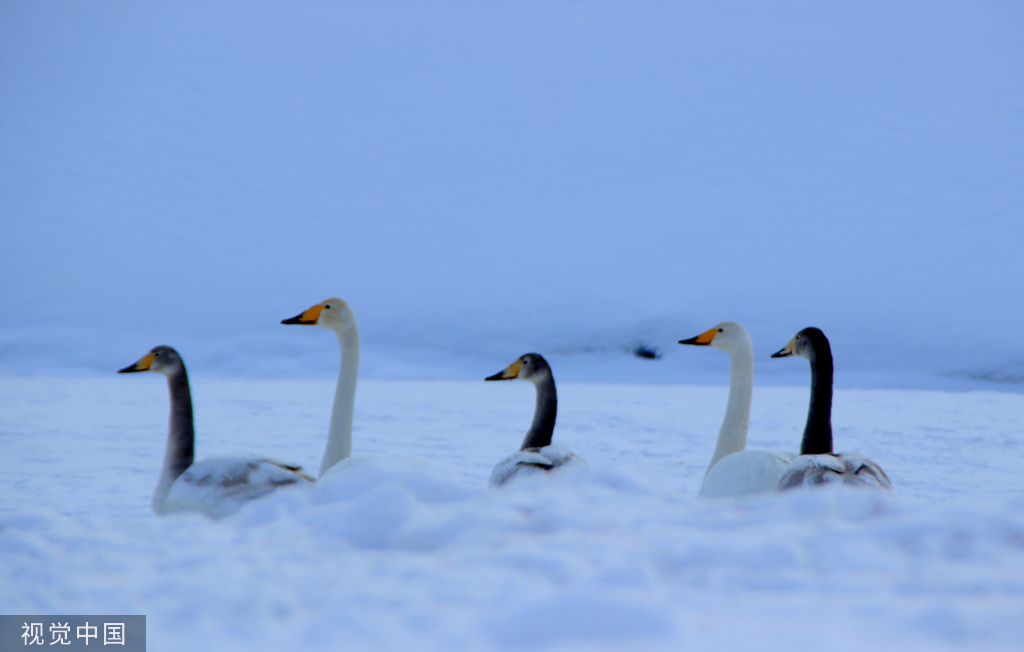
(648, 352)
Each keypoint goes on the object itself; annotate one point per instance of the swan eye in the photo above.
(156, 355)
(327, 307)
(526, 362)
(720, 330)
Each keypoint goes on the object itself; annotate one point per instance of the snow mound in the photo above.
(406, 548)
(585, 562)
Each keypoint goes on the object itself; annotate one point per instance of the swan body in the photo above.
(745, 472)
(537, 455)
(734, 471)
(216, 486)
(219, 486)
(534, 461)
(335, 315)
(817, 464)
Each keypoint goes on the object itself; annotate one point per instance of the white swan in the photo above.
(817, 464)
(734, 471)
(336, 315)
(216, 486)
(537, 455)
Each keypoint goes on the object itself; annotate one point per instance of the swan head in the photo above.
(804, 345)
(160, 359)
(727, 336)
(532, 367)
(333, 314)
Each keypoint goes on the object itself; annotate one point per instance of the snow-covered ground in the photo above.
(409, 550)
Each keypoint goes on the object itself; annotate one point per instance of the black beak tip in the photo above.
(496, 376)
(780, 354)
(127, 370)
(294, 320)
(692, 340)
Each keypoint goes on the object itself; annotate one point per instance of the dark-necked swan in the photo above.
(216, 486)
(734, 471)
(817, 464)
(537, 454)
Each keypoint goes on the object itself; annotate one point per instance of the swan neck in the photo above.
(339, 435)
(818, 431)
(732, 437)
(543, 426)
(181, 436)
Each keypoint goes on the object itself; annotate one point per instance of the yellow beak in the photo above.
(510, 372)
(144, 363)
(309, 318)
(704, 339)
(785, 351)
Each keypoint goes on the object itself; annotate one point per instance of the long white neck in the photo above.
(339, 436)
(732, 437)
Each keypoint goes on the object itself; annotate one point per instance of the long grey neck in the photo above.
(543, 426)
(339, 435)
(181, 436)
(732, 437)
(818, 431)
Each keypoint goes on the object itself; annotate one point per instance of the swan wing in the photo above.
(843, 469)
(864, 471)
(218, 486)
(534, 461)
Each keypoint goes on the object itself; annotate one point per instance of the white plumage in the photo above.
(219, 486)
(849, 468)
(336, 316)
(745, 472)
(534, 461)
(734, 471)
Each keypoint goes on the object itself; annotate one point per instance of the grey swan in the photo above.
(817, 464)
(537, 455)
(215, 486)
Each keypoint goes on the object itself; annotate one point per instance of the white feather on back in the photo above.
(219, 486)
(534, 461)
(745, 472)
(850, 468)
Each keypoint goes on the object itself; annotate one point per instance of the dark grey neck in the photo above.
(818, 431)
(543, 426)
(181, 437)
